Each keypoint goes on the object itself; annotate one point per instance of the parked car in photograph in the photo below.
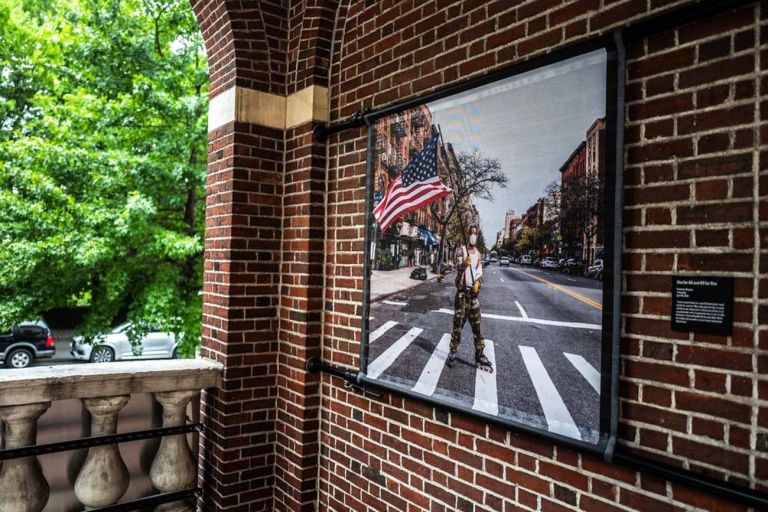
(537, 262)
(26, 342)
(574, 266)
(525, 259)
(504, 261)
(561, 264)
(116, 346)
(596, 269)
(549, 263)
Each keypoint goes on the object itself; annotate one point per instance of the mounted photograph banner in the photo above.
(491, 268)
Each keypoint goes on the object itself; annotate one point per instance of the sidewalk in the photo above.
(389, 282)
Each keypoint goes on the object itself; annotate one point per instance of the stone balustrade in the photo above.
(104, 389)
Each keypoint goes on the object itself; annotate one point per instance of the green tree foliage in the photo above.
(103, 107)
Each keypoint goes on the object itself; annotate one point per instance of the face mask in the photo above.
(473, 239)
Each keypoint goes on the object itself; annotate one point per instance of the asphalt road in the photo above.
(542, 331)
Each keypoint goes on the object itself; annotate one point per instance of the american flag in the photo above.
(417, 186)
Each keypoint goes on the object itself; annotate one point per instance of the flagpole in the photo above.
(461, 221)
(376, 227)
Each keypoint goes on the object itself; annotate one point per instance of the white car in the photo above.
(525, 259)
(596, 269)
(504, 261)
(117, 347)
(549, 262)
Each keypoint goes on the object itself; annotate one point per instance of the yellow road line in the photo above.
(566, 291)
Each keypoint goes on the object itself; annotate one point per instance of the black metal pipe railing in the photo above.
(89, 442)
(317, 365)
(149, 501)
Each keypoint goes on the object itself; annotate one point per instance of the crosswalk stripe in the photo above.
(574, 325)
(486, 394)
(385, 360)
(381, 330)
(559, 420)
(586, 370)
(427, 382)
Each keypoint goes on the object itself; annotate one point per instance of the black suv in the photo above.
(26, 342)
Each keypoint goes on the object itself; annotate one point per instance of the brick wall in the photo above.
(692, 181)
(284, 256)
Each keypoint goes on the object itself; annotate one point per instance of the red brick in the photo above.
(713, 406)
(713, 143)
(663, 62)
(711, 238)
(710, 454)
(657, 239)
(665, 106)
(722, 213)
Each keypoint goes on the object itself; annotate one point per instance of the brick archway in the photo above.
(264, 253)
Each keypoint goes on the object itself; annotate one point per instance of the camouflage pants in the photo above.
(463, 309)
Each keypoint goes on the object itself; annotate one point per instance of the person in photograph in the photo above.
(469, 275)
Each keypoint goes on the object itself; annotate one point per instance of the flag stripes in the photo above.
(417, 186)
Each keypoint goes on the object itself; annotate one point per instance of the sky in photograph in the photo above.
(531, 123)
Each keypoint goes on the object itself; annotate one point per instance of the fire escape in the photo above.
(398, 131)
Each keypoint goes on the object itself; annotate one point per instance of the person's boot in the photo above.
(481, 360)
(451, 358)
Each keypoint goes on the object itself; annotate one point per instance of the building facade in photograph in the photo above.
(413, 240)
(582, 178)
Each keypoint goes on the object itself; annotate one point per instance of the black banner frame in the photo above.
(613, 45)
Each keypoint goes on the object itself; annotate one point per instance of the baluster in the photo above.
(174, 467)
(103, 479)
(23, 487)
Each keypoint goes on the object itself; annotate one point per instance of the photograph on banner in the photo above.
(487, 248)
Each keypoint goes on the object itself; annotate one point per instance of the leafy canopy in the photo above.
(103, 107)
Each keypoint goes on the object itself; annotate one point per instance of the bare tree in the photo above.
(471, 176)
(580, 208)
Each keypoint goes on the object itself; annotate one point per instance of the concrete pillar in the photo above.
(23, 488)
(104, 478)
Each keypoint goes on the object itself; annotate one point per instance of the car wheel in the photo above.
(102, 354)
(175, 354)
(19, 358)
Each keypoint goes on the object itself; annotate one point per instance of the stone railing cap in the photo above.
(50, 383)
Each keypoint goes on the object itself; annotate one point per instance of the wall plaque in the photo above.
(702, 304)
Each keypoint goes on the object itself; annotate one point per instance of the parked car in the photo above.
(537, 262)
(596, 269)
(504, 261)
(26, 342)
(116, 346)
(525, 259)
(494, 259)
(549, 263)
(574, 266)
